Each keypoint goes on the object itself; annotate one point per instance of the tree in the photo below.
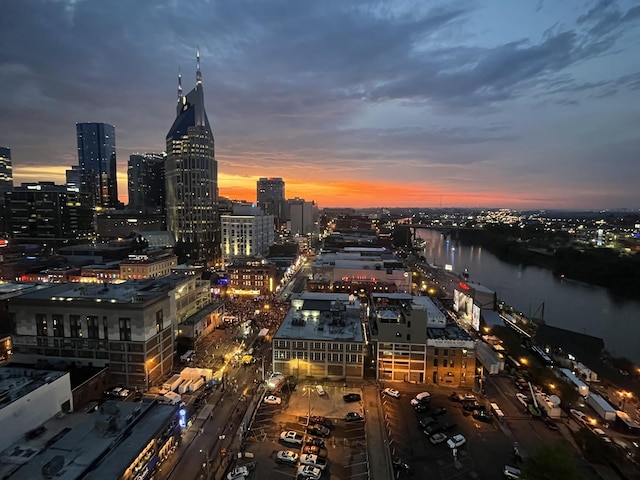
(550, 462)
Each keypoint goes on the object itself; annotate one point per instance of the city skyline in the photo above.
(455, 104)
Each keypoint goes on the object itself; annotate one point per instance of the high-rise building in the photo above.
(6, 171)
(191, 173)
(147, 190)
(270, 196)
(97, 160)
(247, 232)
(301, 214)
(44, 210)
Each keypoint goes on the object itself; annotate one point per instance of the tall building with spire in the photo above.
(97, 162)
(191, 173)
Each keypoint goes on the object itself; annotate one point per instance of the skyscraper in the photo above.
(97, 160)
(6, 171)
(145, 176)
(270, 196)
(191, 173)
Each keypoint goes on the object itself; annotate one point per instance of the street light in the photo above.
(308, 391)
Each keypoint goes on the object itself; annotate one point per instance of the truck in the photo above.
(172, 397)
(196, 384)
(184, 386)
(173, 383)
(602, 407)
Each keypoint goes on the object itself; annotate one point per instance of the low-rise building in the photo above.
(122, 440)
(415, 341)
(251, 276)
(28, 398)
(359, 266)
(139, 266)
(129, 327)
(321, 337)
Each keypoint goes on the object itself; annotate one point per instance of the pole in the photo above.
(309, 407)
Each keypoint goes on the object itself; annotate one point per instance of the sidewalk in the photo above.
(380, 466)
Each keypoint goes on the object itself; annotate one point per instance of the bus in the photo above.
(497, 412)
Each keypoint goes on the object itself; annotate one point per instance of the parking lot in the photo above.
(484, 454)
(345, 447)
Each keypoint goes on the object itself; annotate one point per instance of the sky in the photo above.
(480, 103)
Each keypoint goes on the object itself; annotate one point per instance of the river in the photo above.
(567, 304)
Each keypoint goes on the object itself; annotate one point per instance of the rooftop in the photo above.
(118, 432)
(132, 291)
(322, 316)
(16, 382)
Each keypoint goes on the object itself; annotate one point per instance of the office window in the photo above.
(58, 325)
(436, 351)
(41, 324)
(435, 362)
(159, 318)
(105, 328)
(125, 329)
(92, 327)
(445, 352)
(76, 326)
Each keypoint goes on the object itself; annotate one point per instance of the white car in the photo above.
(287, 456)
(422, 397)
(272, 400)
(320, 390)
(523, 399)
(313, 460)
(391, 392)
(579, 416)
(307, 471)
(456, 441)
(602, 435)
(292, 437)
(238, 473)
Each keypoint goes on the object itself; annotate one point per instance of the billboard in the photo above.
(475, 317)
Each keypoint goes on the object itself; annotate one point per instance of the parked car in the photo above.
(468, 397)
(433, 428)
(399, 465)
(315, 442)
(579, 416)
(391, 392)
(523, 399)
(438, 438)
(137, 397)
(307, 471)
(272, 400)
(292, 437)
(318, 430)
(438, 411)
(313, 460)
(353, 417)
(601, 435)
(447, 424)
(320, 390)
(472, 407)
(511, 472)
(482, 416)
(314, 450)
(456, 441)
(422, 397)
(352, 397)
(455, 397)
(321, 420)
(238, 473)
(426, 421)
(287, 457)
(421, 407)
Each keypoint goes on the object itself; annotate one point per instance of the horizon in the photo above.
(527, 106)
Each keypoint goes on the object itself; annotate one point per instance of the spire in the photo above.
(198, 72)
(179, 86)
